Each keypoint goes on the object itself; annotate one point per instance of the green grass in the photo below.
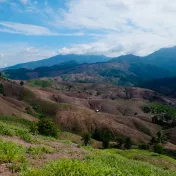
(112, 162)
(15, 130)
(39, 150)
(102, 163)
(147, 156)
(15, 121)
(10, 152)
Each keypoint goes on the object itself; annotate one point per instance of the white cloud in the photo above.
(24, 2)
(26, 29)
(136, 26)
(11, 53)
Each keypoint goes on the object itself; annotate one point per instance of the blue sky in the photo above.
(37, 29)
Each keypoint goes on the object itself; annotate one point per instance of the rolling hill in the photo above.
(75, 109)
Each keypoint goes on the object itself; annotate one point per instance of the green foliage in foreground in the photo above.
(101, 164)
(10, 152)
(12, 126)
(47, 127)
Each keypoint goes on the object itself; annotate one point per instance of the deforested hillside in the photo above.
(78, 114)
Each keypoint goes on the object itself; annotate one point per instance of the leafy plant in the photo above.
(86, 138)
(47, 127)
(158, 148)
(128, 143)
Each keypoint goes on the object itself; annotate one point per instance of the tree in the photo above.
(158, 148)
(146, 109)
(105, 143)
(128, 143)
(22, 83)
(153, 141)
(120, 141)
(161, 138)
(1, 89)
(143, 146)
(106, 136)
(47, 127)
(86, 138)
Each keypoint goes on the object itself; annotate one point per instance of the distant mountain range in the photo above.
(164, 58)
(60, 59)
(127, 70)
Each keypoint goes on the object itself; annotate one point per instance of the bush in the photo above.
(128, 143)
(86, 138)
(34, 128)
(22, 83)
(146, 109)
(158, 148)
(1, 89)
(105, 143)
(47, 128)
(143, 146)
(120, 141)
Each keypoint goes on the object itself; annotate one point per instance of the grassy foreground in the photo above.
(99, 164)
(20, 156)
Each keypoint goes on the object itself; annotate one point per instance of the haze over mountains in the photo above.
(163, 58)
(127, 70)
(61, 58)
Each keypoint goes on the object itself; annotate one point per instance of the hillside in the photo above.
(76, 108)
(33, 155)
(166, 86)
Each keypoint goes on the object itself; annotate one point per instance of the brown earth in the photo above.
(87, 107)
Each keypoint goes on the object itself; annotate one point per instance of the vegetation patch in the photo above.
(11, 152)
(40, 83)
(100, 164)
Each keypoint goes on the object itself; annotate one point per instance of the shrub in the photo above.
(158, 148)
(105, 143)
(34, 128)
(128, 143)
(1, 89)
(86, 138)
(120, 141)
(22, 83)
(153, 141)
(146, 109)
(143, 146)
(47, 127)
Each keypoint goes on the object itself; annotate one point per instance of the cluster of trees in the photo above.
(164, 115)
(157, 143)
(106, 137)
